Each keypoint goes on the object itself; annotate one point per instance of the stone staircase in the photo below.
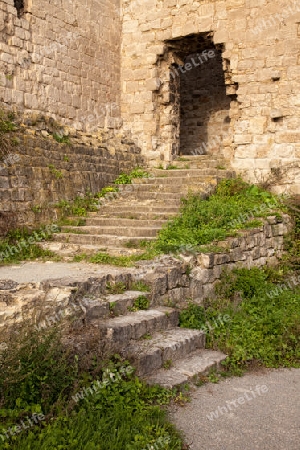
(161, 351)
(139, 210)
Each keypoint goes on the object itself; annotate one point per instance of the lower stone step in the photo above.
(120, 330)
(186, 370)
(101, 240)
(129, 231)
(154, 351)
(113, 304)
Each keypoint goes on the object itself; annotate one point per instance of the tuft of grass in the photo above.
(234, 205)
(21, 245)
(263, 325)
(139, 286)
(120, 261)
(140, 303)
(41, 374)
(116, 288)
(124, 178)
(56, 173)
(61, 139)
(7, 141)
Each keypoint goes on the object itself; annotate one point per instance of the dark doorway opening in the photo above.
(204, 120)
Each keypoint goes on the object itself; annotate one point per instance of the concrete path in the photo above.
(258, 411)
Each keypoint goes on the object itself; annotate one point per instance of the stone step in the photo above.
(111, 305)
(169, 197)
(187, 369)
(112, 221)
(133, 326)
(180, 188)
(114, 230)
(135, 207)
(150, 354)
(101, 240)
(179, 172)
(69, 250)
(133, 214)
(183, 180)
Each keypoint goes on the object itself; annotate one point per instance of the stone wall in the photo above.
(259, 41)
(170, 280)
(62, 58)
(42, 171)
(172, 284)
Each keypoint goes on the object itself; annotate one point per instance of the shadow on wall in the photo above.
(204, 105)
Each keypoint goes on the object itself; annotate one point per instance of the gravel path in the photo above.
(257, 411)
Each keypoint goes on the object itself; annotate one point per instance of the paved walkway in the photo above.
(34, 272)
(258, 411)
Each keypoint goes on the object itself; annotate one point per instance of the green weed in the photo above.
(264, 320)
(61, 139)
(40, 374)
(124, 178)
(202, 222)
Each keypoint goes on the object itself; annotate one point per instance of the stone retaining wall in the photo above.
(173, 281)
(196, 276)
(42, 171)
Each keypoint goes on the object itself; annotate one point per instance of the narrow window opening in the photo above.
(19, 5)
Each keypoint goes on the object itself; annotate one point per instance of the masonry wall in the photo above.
(43, 172)
(260, 44)
(62, 58)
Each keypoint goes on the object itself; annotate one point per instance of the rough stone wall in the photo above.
(204, 111)
(44, 171)
(260, 43)
(62, 58)
(256, 247)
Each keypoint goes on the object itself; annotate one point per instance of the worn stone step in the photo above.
(110, 305)
(150, 354)
(115, 230)
(111, 221)
(169, 197)
(183, 180)
(132, 214)
(69, 250)
(179, 172)
(134, 325)
(135, 207)
(187, 369)
(102, 240)
(205, 157)
(180, 188)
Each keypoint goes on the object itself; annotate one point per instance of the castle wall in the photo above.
(259, 41)
(62, 58)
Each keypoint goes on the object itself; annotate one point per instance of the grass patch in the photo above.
(21, 245)
(8, 142)
(41, 375)
(233, 206)
(124, 178)
(139, 286)
(116, 288)
(140, 303)
(61, 139)
(120, 261)
(262, 325)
